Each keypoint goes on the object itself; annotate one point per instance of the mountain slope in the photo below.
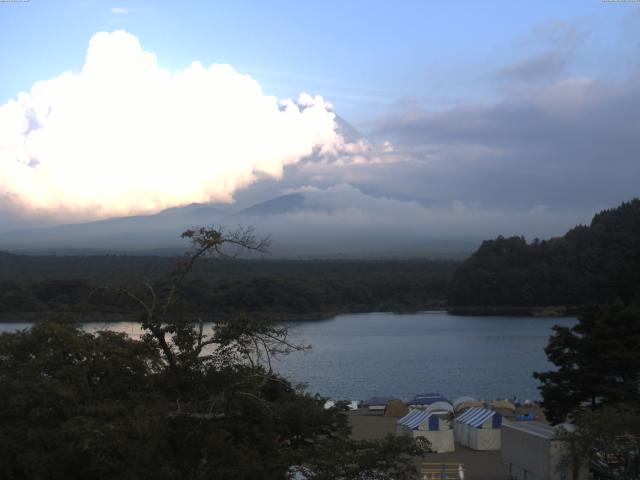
(148, 232)
(284, 204)
(300, 225)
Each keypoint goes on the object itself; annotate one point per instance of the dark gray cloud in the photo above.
(571, 145)
(548, 51)
(538, 67)
(536, 163)
(344, 219)
(556, 33)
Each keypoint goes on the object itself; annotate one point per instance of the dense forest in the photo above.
(589, 264)
(278, 288)
(179, 403)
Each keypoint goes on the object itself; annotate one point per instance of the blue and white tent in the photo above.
(415, 418)
(423, 424)
(478, 429)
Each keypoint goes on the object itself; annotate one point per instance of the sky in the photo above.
(468, 117)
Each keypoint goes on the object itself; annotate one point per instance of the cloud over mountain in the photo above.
(568, 145)
(124, 136)
(549, 142)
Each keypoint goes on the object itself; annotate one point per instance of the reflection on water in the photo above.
(130, 328)
(359, 355)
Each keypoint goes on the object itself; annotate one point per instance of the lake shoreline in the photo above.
(518, 311)
(101, 317)
(558, 311)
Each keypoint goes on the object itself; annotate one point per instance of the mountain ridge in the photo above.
(160, 234)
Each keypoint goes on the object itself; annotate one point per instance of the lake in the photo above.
(356, 356)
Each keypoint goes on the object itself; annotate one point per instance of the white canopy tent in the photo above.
(478, 429)
(419, 424)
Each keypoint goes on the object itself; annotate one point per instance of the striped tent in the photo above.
(422, 424)
(478, 429)
(413, 419)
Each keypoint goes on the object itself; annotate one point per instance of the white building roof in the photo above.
(533, 428)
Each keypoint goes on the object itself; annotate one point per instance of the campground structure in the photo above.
(421, 424)
(396, 408)
(531, 451)
(377, 403)
(443, 409)
(460, 404)
(504, 408)
(423, 400)
(478, 429)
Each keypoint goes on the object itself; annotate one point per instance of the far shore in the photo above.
(479, 311)
(518, 311)
(101, 317)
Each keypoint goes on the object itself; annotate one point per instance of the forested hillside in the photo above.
(281, 288)
(589, 264)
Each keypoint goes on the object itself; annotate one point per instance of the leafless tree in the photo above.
(185, 345)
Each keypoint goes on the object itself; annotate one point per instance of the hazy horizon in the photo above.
(425, 120)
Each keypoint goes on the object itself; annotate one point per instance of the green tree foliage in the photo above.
(181, 403)
(280, 288)
(362, 460)
(597, 360)
(589, 264)
(75, 405)
(609, 440)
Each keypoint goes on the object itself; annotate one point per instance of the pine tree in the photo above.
(597, 360)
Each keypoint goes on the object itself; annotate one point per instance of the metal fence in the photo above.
(442, 471)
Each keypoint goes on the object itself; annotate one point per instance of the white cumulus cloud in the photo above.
(125, 136)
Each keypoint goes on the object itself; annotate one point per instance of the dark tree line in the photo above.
(53, 284)
(181, 403)
(590, 264)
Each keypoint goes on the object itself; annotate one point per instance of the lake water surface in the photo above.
(356, 356)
